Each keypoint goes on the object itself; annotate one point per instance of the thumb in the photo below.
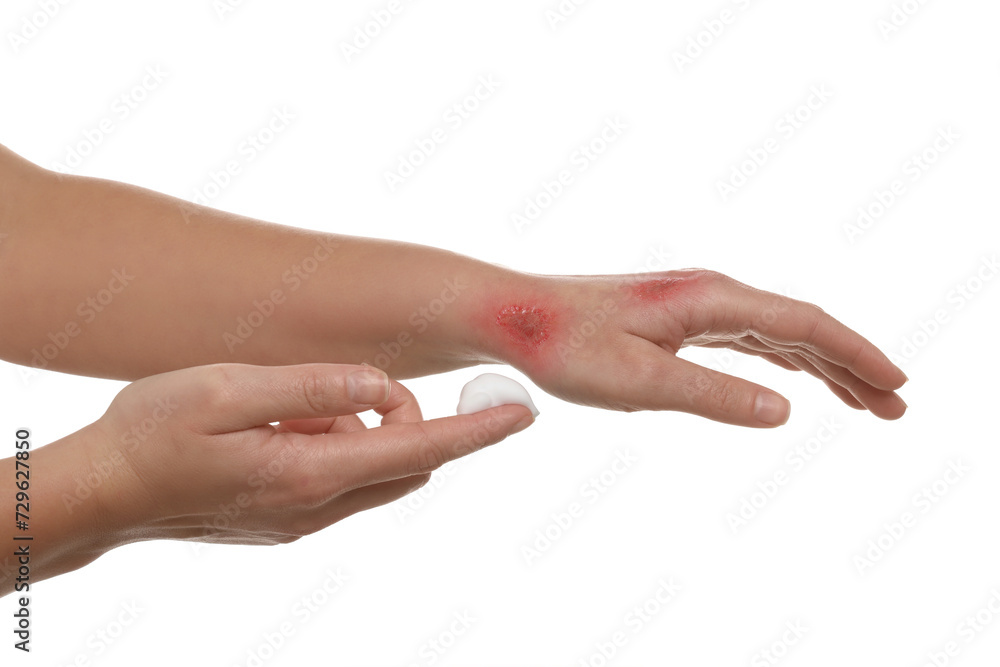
(402, 450)
(723, 398)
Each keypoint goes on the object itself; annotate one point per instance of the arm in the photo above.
(64, 536)
(215, 470)
(147, 283)
(117, 281)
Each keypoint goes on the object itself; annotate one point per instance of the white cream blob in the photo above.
(490, 390)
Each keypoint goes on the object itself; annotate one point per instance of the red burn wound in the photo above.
(654, 290)
(527, 326)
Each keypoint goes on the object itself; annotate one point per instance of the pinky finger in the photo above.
(802, 363)
(774, 357)
(839, 391)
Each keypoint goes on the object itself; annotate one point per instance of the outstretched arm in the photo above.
(117, 281)
(112, 280)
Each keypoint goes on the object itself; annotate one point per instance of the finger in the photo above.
(804, 364)
(847, 397)
(881, 403)
(826, 337)
(750, 345)
(788, 361)
(352, 502)
(691, 388)
(737, 346)
(240, 396)
(777, 359)
(782, 319)
(400, 407)
(341, 424)
(403, 450)
(372, 496)
(793, 357)
(802, 360)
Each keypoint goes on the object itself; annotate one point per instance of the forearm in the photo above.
(105, 279)
(66, 526)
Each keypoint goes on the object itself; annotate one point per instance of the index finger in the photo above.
(789, 321)
(401, 450)
(400, 407)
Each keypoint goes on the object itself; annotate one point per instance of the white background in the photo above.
(652, 193)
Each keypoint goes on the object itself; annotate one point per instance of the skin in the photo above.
(116, 281)
(525, 325)
(628, 331)
(217, 452)
(195, 273)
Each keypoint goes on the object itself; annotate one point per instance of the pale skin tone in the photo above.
(111, 280)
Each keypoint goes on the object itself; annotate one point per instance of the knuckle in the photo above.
(695, 272)
(306, 492)
(710, 274)
(855, 357)
(217, 387)
(287, 479)
(314, 389)
(427, 456)
(697, 385)
(707, 391)
(713, 278)
(725, 396)
(812, 334)
(808, 305)
(483, 435)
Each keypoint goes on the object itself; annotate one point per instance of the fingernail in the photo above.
(368, 387)
(771, 409)
(523, 424)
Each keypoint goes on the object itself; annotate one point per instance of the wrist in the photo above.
(516, 320)
(67, 525)
(119, 505)
(449, 318)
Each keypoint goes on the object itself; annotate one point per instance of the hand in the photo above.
(612, 342)
(198, 458)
